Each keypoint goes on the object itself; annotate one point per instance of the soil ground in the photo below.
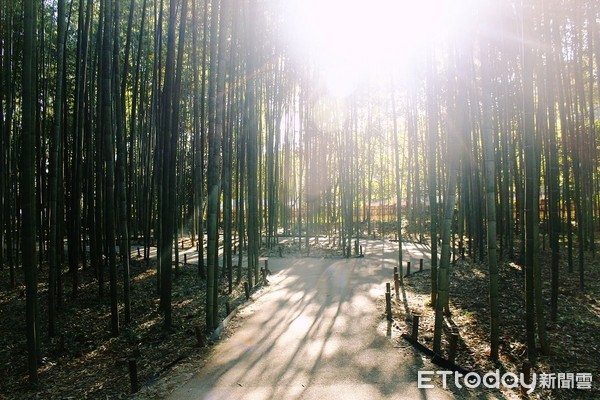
(573, 337)
(86, 362)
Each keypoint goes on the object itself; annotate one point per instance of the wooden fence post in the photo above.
(388, 301)
(453, 346)
(396, 282)
(133, 378)
(415, 326)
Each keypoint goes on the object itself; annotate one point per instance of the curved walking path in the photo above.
(317, 332)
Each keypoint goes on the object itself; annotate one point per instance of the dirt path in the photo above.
(317, 332)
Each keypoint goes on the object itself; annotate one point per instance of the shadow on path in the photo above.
(316, 333)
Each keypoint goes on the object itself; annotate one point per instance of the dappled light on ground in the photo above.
(313, 334)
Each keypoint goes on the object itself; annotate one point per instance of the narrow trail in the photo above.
(317, 332)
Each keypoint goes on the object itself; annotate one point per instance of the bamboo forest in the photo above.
(299, 199)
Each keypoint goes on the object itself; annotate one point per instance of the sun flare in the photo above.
(353, 40)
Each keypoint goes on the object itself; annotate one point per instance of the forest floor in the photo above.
(84, 361)
(573, 337)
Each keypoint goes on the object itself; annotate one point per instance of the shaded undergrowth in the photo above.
(83, 360)
(573, 336)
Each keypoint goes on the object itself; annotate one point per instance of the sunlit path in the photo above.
(316, 333)
(386, 250)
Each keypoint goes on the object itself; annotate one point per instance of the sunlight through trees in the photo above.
(248, 126)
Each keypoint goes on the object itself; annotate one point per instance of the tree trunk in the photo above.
(55, 148)
(487, 140)
(27, 190)
(109, 163)
(213, 173)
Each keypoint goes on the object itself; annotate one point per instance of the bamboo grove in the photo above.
(147, 121)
